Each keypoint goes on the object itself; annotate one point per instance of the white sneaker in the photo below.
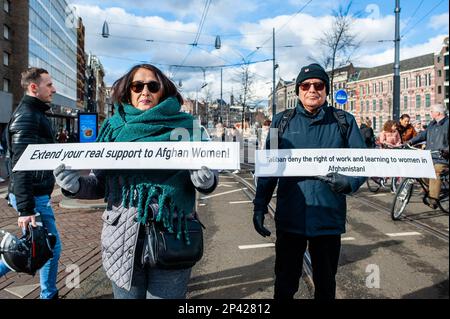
(2, 180)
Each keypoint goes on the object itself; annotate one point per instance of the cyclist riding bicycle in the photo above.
(436, 137)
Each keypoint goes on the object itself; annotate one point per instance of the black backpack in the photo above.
(337, 113)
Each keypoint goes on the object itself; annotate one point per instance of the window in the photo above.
(374, 121)
(428, 79)
(374, 88)
(381, 104)
(351, 106)
(368, 89)
(380, 120)
(374, 105)
(6, 5)
(418, 119)
(362, 106)
(381, 87)
(438, 59)
(5, 58)
(428, 118)
(439, 89)
(418, 81)
(390, 85)
(405, 102)
(439, 73)
(5, 31)
(6, 85)
(418, 100)
(427, 100)
(367, 106)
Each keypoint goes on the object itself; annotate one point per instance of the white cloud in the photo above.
(431, 46)
(129, 31)
(439, 22)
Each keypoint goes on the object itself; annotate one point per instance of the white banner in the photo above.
(136, 155)
(346, 161)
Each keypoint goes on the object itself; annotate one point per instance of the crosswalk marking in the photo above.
(256, 246)
(242, 202)
(224, 193)
(413, 233)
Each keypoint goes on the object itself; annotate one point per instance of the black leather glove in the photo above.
(258, 222)
(444, 153)
(338, 182)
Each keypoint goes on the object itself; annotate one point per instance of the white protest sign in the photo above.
(136, 155)
(346, 161)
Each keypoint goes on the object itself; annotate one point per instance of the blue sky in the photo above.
(160, 32)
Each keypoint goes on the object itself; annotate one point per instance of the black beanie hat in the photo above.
(312, 71)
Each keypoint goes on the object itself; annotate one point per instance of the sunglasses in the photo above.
(318, 86)
(138, 86)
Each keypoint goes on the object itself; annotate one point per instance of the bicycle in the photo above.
(406, 188)
(374, 184)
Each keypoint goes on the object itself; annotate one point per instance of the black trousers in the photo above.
(324, 252)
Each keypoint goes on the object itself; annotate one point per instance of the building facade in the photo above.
(81, 67)
(424, 80)
(442, 74)
(96, 89)
(14, 52)
(372, 90)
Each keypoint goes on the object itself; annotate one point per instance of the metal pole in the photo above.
(221, 108)
(274, 107)
(396, 89)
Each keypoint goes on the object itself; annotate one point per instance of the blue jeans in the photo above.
(49, 271)
(153, 283)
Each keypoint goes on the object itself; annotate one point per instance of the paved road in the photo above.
(379, 259)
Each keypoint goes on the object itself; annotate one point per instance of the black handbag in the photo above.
(162, 249)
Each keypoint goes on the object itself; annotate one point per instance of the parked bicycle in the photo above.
(374, 184)
(406, 189)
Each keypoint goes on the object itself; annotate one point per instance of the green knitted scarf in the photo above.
(172, 188)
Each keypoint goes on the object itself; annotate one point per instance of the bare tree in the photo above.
(338, 43)
(246, 81)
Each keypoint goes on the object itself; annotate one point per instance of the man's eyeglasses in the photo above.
(138, 86)
(318, 86)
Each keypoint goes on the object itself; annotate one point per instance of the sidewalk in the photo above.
(79, 225)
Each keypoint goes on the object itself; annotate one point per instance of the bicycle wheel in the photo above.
(443, 196)
(401, 198)
(373, 184)
(395, 183)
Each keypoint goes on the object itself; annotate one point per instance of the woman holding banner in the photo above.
(147, 109)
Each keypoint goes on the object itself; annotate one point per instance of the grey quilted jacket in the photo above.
(120, 229)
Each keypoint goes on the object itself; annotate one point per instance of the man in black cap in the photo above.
(310, 210)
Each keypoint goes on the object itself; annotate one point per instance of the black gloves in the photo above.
(444, 153)
(258, 222)
(338, 183)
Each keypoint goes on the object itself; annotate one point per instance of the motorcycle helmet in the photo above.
(28, 253)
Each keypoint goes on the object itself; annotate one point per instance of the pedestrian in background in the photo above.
(264, 132)
(29, 191)
(310, 211)
(389, 137)
(367, 132)
(147, 109)
(405, 129)
(436, 137)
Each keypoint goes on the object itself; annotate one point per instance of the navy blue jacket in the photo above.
(305, 205)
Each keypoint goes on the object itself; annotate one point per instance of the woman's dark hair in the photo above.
(405, 116)
(388, 125)
(121, 88)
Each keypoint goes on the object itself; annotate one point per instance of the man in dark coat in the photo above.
(309, 210)
(29, 191)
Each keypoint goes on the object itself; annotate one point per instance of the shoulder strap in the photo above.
(287, 116)
(342, 122)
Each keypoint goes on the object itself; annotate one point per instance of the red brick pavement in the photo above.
(79, 230)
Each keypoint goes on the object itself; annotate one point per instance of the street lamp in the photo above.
(196, 100)
(105, 30)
